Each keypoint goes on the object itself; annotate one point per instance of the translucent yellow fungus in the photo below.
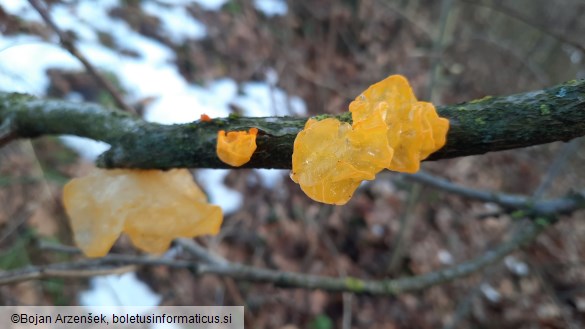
(236, 147)
(390, 129)
(415, 130)
(331, 159)
(319, 162)
(153, 207)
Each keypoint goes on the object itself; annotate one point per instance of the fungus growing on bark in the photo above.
(236, 147)
(415, 130)
(331, 159)
(390, 129)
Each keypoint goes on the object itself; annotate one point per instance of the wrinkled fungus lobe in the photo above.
(236, 147)
(205, 118)
(415, 130)
(153, 207)
(390, 129)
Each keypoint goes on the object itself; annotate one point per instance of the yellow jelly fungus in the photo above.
(153, 207)
(415, 130)
(321, 162)
(236, 147)
(390, 129)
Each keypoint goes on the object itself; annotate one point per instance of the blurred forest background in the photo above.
(327, 52)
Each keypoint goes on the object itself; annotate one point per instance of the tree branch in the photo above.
(111, 263)
(485, 125)
(528, 206)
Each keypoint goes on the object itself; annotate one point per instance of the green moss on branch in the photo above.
(479, 126)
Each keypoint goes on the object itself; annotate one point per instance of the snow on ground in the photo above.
(21, 67)
(24, 60)
(228, 199)
(151, 75)
(211, 5)
(118, 290)
(177, 23)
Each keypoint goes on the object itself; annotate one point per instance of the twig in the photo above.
(287, 279)
(519, 17)
(549, 290)
(510, 52)
(446, 6)
(69, 45)
(509, 201)
(22, 214)
(57, 247)
(7, 131)
(347, 297)
(201, 253)
(406, 223)
(347, 306)
(464, 306)
(407, 17)
(79, 269)
(555, 168)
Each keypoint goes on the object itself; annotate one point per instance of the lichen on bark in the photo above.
(478, 126)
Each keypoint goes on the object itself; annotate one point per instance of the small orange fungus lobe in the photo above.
(153, 207)
(390, 129)
(205, 118)
(236, 147)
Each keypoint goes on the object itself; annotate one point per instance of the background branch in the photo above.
(528, 205)
(69, 45)
(112, 263)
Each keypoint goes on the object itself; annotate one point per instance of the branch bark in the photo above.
(479, 126)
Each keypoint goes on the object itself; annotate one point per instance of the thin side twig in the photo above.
(555, 168)
(446, 7)
(401, 244)
(464, 306)
(200, 252)
(532, 207)
(69, 45)
(514, 14)
(288, 279)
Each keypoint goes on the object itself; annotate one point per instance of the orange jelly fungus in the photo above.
(390, 129)
(153, 207)
(205, 118)
(236, 147)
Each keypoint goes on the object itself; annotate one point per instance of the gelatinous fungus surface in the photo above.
(390, 129)
(153, 207)
(415, 130)
(236, 147)
(329, 162)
